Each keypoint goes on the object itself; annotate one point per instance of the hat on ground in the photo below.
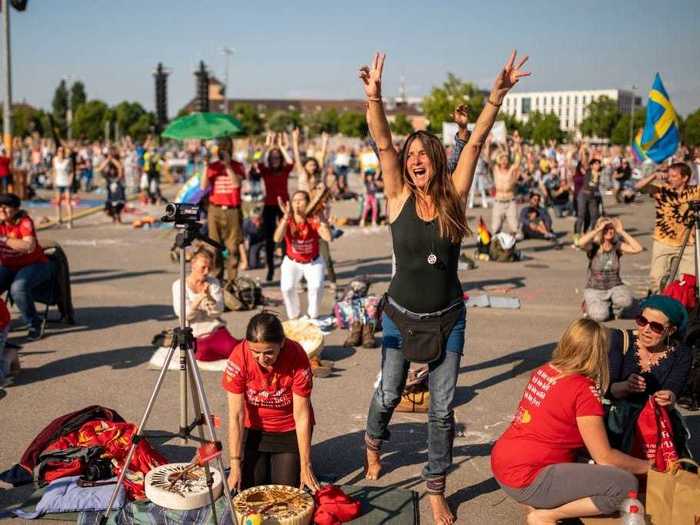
(10, 199)
(674, 310)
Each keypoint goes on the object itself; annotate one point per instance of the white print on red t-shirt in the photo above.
(232, 370)
(537, 388)
(280, 398)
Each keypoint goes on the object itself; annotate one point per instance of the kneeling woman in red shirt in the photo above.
(560, 413)
(301, 234)
(268, 378)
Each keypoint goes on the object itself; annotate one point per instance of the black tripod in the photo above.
(184, 340)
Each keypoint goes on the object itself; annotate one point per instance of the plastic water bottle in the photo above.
(629, 501)
(633, 517)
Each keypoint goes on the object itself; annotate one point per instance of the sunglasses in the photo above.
(655, 327)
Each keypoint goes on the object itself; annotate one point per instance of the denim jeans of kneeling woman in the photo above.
(441, 382)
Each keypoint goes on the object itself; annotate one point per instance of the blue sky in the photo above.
(312, 49)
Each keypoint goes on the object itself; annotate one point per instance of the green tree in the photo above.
(512, 124)
(284, 120)
(353, 124)
(602, 116)
(89, 119)
(543, 127)
(143, 126)
(691, 129)
(25, 120)
(401, 125)
(439, 105)
(621, 132)
(77, 95)
(253, 123)
(126, 114)
(325, 120)
(59, 106)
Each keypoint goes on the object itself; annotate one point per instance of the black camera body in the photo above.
(181, 213)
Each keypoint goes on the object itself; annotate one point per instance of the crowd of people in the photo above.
(558, 456)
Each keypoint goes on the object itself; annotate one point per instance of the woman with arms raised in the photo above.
(427, 216)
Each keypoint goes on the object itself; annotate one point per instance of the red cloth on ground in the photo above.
(215, 346)
(301, 240)
(276, 183)
(653, 436)
(333, 506)
(19, 229)
(683, 290)
(544, 431)
(268, 394)
(223, 193)
(115, 440)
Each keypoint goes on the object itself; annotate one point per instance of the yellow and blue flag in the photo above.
(661, 136)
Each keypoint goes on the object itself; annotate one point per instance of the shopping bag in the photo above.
(673, 497)
(653, 437)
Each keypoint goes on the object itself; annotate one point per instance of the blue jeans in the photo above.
(441, 384)
(21, 283)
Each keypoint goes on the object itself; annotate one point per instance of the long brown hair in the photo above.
(450, 208)
(583, 349)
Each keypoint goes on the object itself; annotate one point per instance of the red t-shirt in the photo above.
(222, 192)
(268, 395)
(20, 229)
(302, 240)
(544, 430)
(4, 166)
(276, 183)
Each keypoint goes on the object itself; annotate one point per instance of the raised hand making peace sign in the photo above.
(372, 76)
(510, 75)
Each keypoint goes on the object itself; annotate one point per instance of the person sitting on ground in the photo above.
(204, 304)
(23, 265)
(535, 221)
(268, 379)
(301, 235)
(561, 412)
(655, 362)
(557, 190)
(605, 245)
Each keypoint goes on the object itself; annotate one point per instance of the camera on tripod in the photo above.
(181, 213)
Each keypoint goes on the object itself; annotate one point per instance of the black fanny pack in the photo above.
(423, 336)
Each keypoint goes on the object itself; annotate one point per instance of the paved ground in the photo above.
(121, 290)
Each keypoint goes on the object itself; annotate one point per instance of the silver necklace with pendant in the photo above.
(432, 258)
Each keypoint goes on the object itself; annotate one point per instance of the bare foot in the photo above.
(442, 515)
(373, 465)
(540, 517)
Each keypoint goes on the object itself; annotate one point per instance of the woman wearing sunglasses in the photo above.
(605, 245)
(268, 379)
(654, 362)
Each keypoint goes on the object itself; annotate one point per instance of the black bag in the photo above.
(242, 294)
(423, 340)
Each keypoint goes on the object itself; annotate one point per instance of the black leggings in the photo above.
(270, 216)
(270, 468)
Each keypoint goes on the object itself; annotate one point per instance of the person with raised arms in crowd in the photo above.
(275, 174)
(427, 216)
(672, 194)
(589, 198)
(224, 217)
(505, 178)
(301, 234)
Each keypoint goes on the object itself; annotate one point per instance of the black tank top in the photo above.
(417, 285)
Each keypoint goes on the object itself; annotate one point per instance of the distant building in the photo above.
(569, 106)
(266, 106)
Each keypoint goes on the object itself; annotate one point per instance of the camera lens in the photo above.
(170, 210)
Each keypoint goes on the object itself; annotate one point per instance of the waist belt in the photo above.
(429, 315)
(304, 262)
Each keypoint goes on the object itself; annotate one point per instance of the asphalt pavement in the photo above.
(121, 282)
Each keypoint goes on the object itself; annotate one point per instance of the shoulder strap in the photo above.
(625, 341)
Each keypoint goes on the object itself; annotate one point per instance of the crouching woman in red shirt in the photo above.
(268, 378)
(560, 413)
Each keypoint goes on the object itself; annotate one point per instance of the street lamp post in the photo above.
(228, 52)
(7, 65)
